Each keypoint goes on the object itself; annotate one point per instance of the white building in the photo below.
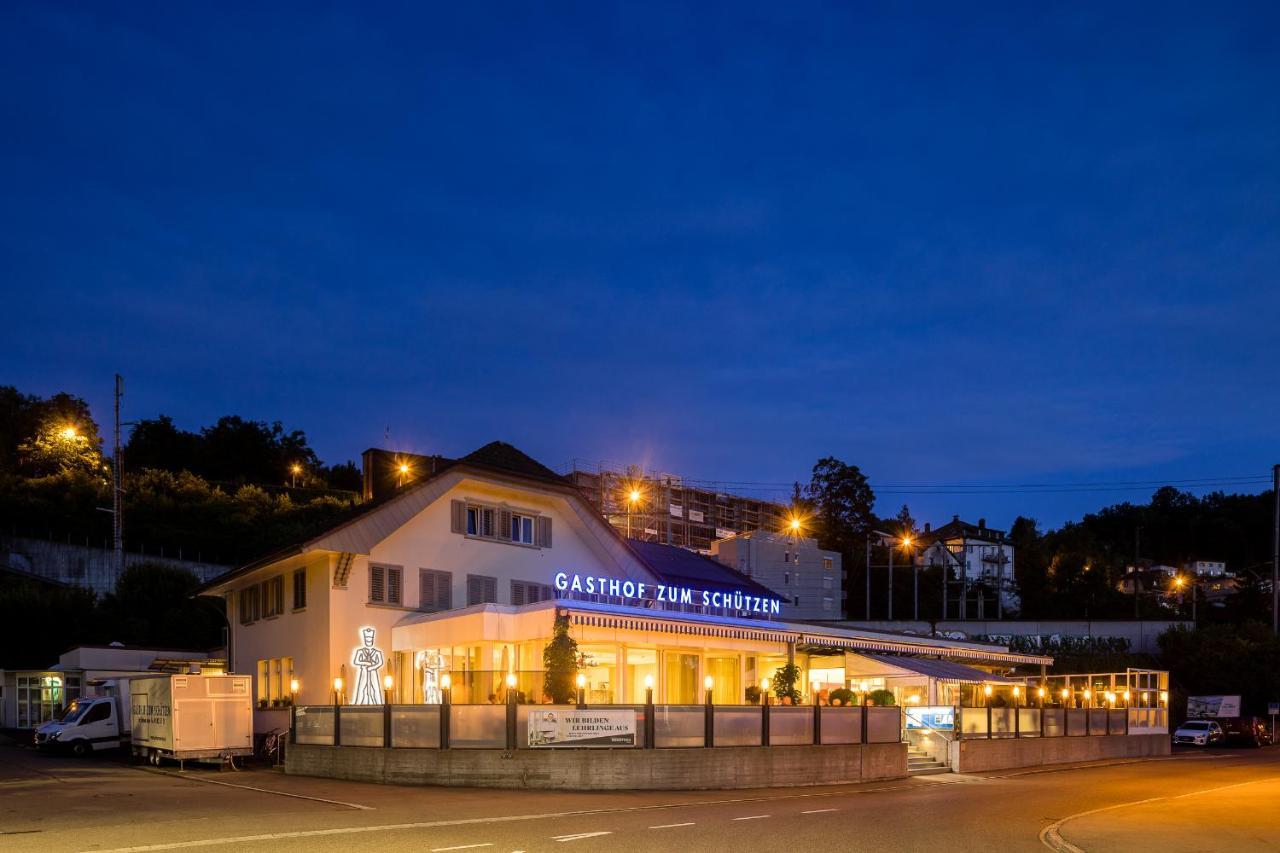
(464, 574)
(806, 577)
(1207, 568)
(29, 697)
(981, 563)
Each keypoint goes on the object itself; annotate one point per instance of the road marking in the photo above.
(461, 847)
(402, 827)
(672, 825)
(1051, 835)
(819, 811)
(753, 817)
(260, 790)
(579, 836)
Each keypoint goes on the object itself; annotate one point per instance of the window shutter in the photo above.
(475, 590)
(517, 592)
(488, 523)
(544, 532)
(377, 583)
(444, 590)
(427, 589)
(504, 524)
(458, 517)
(491, 590)
(394, 585)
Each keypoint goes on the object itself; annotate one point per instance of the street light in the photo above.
(402, 471)
(295, 469)
(69, 433)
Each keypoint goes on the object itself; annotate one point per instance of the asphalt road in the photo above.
(1216, 800)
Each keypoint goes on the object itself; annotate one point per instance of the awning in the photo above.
(943, 670)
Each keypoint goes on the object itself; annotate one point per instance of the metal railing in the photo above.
(456, 726)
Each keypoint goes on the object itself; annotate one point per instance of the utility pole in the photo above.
(117, 492)
(1275, 554)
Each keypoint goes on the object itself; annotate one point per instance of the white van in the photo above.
(89, 725)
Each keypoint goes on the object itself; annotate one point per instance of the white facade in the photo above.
(977, 555)
(807, 578)
(1207, 568)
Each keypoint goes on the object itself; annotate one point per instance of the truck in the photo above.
(159, 717)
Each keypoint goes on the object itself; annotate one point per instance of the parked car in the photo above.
(1199, 733)
(1248, 731)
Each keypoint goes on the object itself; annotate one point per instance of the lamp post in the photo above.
(709, 714)
(387, 683)
(633, 498)
(649, 727)
(582, 690)
(764, 712)
(511, 711)
(293, 709)
(295, 469)
(337, 711)
(446, 701)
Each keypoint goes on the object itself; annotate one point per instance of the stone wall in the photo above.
(972, 756)
(605, 769)
(86, 566)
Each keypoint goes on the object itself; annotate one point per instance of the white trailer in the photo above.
(186, 717)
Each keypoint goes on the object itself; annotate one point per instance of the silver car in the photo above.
(1199, 733)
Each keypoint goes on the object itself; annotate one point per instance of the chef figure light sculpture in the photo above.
(368, 661)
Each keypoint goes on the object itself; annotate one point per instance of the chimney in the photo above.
(927, 527)
(982, 524)
(955, 518)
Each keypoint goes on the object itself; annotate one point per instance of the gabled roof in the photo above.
(682, 567)
(500, 456)
(957, 529)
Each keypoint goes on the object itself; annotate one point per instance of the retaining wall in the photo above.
(972, 756)
(605, 769)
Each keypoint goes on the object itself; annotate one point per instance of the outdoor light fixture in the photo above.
(634, 496)
(69, 433)
(708, 682)
(511, 679)
(581, 681)
(913, 699)
(986, 689)
(1125, 695)
(404, 469)
(1017, 691)
(387, 682)
(337, 684)
(1040, 691)
(648, 682)
(1065, 693)
(445, 681)
(293, 685)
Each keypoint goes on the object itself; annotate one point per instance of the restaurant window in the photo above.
(385, 584)
(681, 671)
(299, 589)
(481, 590)
(435, 589)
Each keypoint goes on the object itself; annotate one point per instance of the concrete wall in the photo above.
(604, 769)
(81, 565)
(972, 756)
(1140, 634)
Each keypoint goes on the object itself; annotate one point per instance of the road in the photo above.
(1215, 800)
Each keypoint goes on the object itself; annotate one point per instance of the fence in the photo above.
(450, 726)
(991, 723)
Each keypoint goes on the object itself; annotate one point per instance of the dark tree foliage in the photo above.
(346, 476)
(39, 621)
(159, 444)
(560, 663)
(1225, 660)
(153, 606)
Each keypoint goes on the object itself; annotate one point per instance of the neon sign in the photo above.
(369, 661)
(636, 591)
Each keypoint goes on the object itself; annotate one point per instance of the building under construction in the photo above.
(665, 508)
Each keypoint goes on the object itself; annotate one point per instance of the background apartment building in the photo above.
(981, 561)
(664, 508)
(807, 578)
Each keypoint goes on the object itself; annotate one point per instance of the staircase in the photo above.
(920, 763)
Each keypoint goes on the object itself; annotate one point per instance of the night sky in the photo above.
(1015, 246)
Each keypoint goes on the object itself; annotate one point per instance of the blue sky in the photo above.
(1017, 244)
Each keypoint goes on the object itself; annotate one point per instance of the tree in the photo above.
(346, 476)
(153, 605)
(784, 683)
(160, 445)
(40, 620)
(560, 663)
(842, 504)
(1030, 568)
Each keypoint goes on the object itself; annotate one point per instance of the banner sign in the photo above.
(586, 728)
(942, 717)
(1213, 706)
(730, 599)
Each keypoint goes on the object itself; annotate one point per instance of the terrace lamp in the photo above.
(582, 690)
(337, 691)
(648, 689)
(708, 683)
(445, 692)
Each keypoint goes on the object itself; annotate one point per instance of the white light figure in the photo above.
(368, 660)
(432, 663)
